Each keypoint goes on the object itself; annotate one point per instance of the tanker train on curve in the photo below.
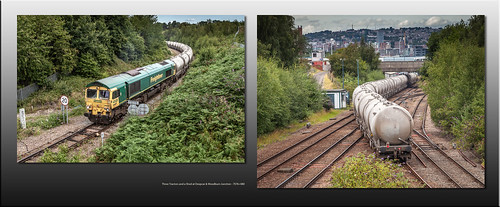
(387, 125)
(107, 99)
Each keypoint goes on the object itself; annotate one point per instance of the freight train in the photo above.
(387, 125)
(107, 99)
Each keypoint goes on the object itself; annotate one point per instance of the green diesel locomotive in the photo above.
(106, 99)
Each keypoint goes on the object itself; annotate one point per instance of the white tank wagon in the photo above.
(183, 59)
(387, 125)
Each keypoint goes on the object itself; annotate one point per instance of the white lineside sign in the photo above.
(22, 118)
(64, 105)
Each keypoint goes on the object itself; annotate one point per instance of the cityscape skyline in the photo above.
(317, 23)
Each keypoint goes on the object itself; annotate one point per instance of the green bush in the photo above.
(202, 120)
(456, 92)
(363, 171)
(71, 86)
(62, 156)
(284, 95)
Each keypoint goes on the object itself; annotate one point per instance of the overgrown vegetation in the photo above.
(62, 156)
(455, 81)
(34, 125)
(277, 37)
(285, 91)
(203, 120)
(361, 171)
(81, 49)
(368, 65)
(284, 95)
(282, 133)
(207, 38)
(82, 44)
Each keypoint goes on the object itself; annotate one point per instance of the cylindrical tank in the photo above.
(183, 59)
(380, 119)
(186, 58)
(179, 63)
(390, 123)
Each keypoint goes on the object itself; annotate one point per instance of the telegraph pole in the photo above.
(342, 72)
(357, 65)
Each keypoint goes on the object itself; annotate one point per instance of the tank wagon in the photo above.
(107, 99)
(387, 125)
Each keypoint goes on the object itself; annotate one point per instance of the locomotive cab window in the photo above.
(103, 94)
(116, 94)
(91, 93)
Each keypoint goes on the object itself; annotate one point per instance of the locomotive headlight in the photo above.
(89, 107)
(107, 109)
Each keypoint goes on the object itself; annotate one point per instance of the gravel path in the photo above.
(320, 77)
(30, 143)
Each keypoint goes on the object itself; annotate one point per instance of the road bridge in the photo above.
(400, 66)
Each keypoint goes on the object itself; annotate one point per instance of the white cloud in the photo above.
(435, 21)
(404, 23)
(308, 29)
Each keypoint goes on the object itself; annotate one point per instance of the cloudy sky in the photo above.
(198, 18)
(316, 23)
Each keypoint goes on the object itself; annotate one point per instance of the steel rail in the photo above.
(422, 150)
(303, 140)
(69, 138)
(315, 178)
(317, 157)
(24, 159)
(417, 175)
(443, 152)
(466, 158)
(419, 159)
(434, 162)
(297, 153)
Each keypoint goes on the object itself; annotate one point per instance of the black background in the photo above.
(141, 184)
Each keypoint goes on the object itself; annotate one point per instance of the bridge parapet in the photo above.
(401, 66)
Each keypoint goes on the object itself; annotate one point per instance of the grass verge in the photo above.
(62, 156)
(282, 133)
(35, 125)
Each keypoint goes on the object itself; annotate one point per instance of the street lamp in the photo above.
(357, 65)
(342, 59)
(331, 46)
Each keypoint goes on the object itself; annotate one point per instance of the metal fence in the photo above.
(23, 93)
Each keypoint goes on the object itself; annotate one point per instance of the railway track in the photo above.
(407, 93)
(440, 166)
(71, 140)
(306, 176)
(275, 169)
(74, 139)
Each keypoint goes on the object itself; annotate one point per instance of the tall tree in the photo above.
(149, 29)
(43, 48)
(284, 40)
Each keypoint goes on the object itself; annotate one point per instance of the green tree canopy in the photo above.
(281, 38)
(74, 44)
(455, 81)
